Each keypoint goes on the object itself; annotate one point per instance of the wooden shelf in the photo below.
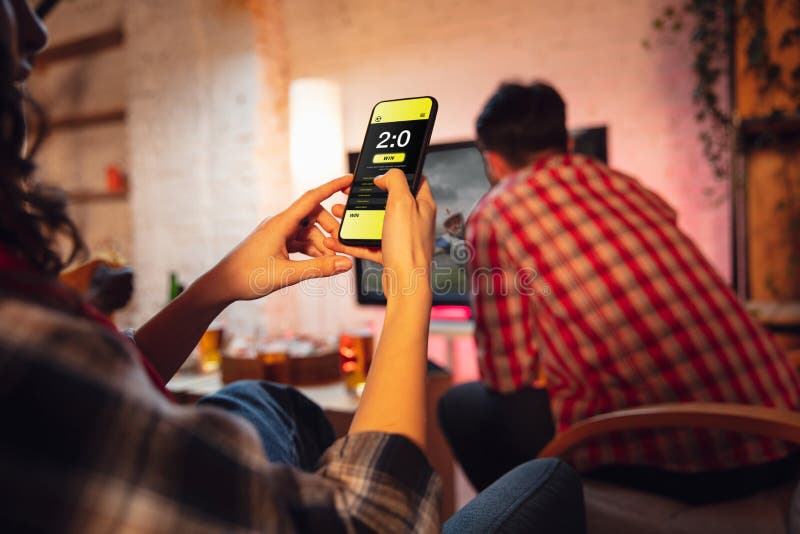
(84, 46)
(84, 196)
(88, 119)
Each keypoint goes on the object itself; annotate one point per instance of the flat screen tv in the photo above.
(458, 181)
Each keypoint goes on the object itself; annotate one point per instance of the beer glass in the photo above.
(355, 356)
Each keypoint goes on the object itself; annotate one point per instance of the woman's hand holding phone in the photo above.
(394, 396)
(407, 243)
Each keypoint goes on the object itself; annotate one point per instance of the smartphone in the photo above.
(398, 135)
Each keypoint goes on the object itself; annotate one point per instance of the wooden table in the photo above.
(339, 406)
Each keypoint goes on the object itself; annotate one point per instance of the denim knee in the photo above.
(544, 495)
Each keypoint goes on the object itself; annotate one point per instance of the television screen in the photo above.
(591, 141)
(457, 180)
(456, 175)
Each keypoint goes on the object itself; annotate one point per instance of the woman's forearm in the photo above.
(394, 396)
(169, 337)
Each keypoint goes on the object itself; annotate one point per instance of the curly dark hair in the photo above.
(33, 216)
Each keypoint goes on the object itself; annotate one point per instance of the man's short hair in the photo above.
(520, 120)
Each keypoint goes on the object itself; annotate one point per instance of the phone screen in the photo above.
(397, 137)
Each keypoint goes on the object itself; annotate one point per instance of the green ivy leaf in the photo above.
(709, 39)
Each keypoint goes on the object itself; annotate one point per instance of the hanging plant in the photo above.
(710, 27)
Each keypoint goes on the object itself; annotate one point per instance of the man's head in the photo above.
(519, 123)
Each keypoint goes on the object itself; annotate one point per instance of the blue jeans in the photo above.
(540, 496)
(293, 429)
(491, 433)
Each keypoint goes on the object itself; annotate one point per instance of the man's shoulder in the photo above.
(569, 166)
(487, 206)
(569, 171)
(522, 192)
(521, 186)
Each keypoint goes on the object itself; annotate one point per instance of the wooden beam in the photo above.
(778, 124)
(87, 119)
(84, 46)
(769, 131)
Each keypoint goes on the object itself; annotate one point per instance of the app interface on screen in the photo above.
(394, 140)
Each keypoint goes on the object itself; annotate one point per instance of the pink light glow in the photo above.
(451, 313)
(462, 363)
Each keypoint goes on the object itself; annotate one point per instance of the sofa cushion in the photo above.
(613, 509)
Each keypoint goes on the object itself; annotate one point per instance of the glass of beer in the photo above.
(274, 355)
(355, 356)
(209, 349)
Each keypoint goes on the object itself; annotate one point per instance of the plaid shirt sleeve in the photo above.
(89, 445)
(504, 313)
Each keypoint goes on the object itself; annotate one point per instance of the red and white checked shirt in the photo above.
(582, 273)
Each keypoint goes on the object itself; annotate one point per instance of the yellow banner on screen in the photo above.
(362, 224)
(397, 157)
(412, 109)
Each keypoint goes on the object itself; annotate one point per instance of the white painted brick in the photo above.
(204, 166)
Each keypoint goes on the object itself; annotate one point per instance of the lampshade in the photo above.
(316, 151)
(316, 138)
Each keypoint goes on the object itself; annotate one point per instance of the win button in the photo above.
(398, 157)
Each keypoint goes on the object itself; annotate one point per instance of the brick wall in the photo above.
(207, 143)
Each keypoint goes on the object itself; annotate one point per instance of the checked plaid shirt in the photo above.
(581, 273)
(88, 444)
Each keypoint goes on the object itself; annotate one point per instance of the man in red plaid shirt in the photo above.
(583, 280)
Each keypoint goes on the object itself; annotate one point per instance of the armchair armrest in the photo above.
(754, 420)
